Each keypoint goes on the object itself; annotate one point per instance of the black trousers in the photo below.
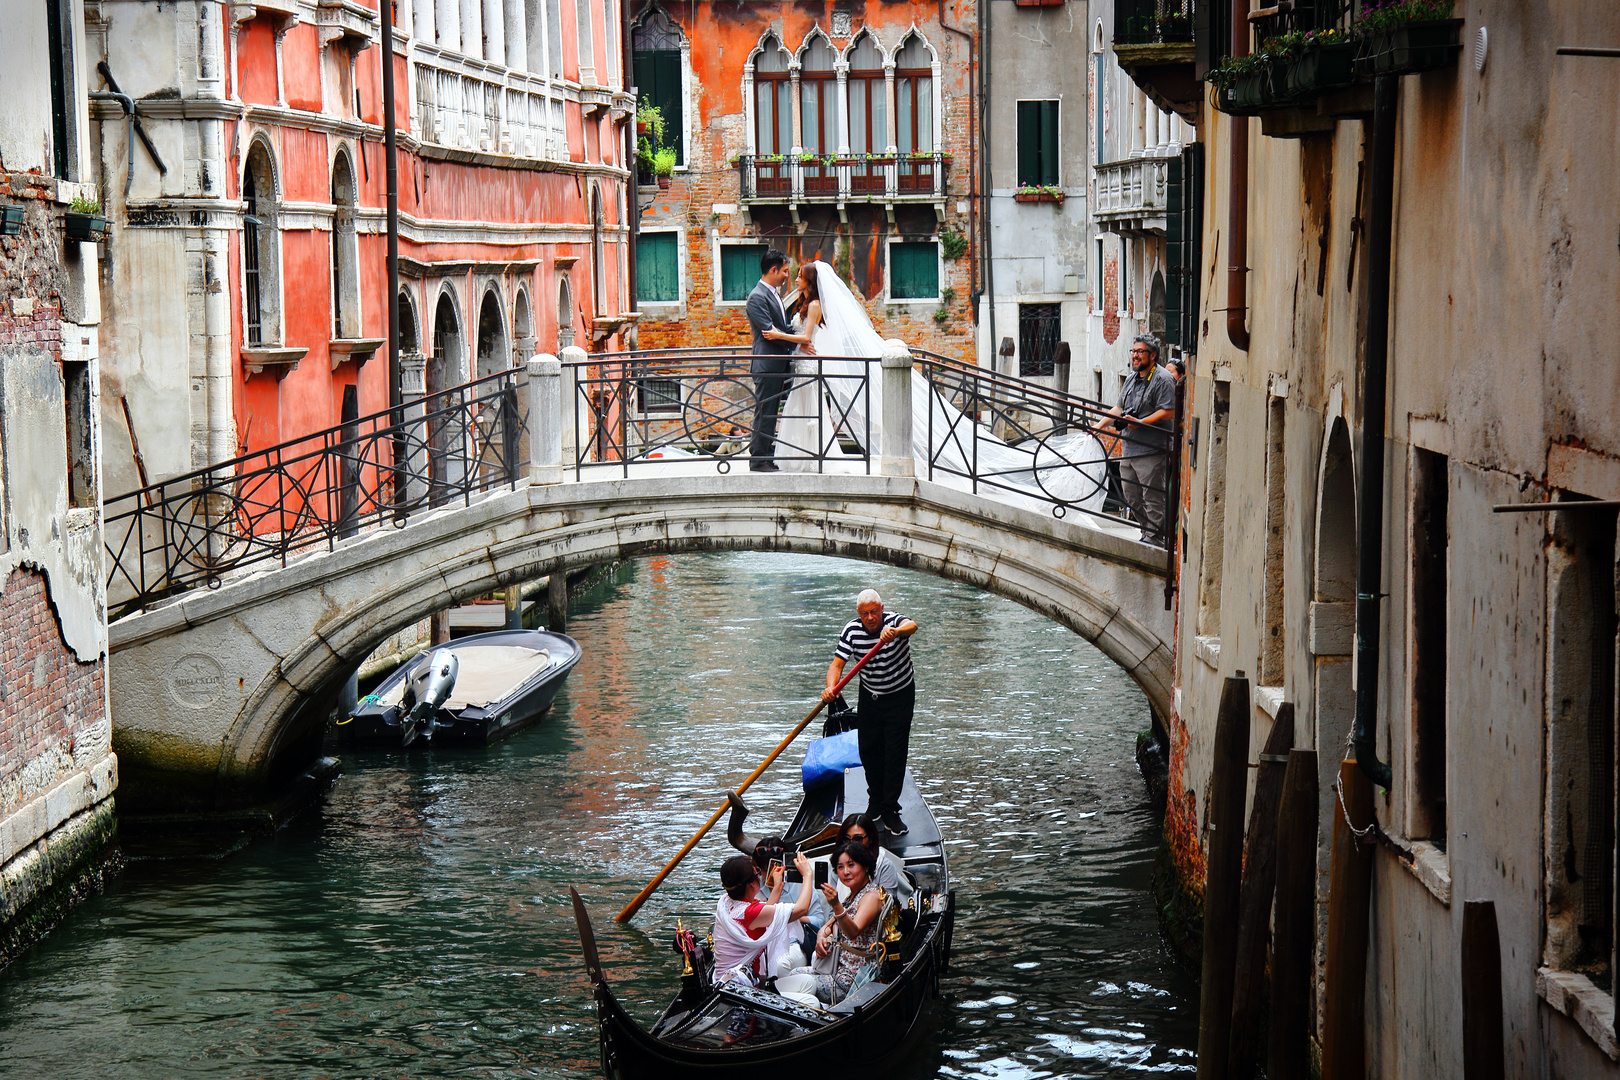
(770, 391)
(884, 734)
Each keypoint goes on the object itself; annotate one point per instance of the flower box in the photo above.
(1414, 47)
(1246, 94)
(89, 228)
(11, 220)
(1038, 196)
(1040, 3)
(1318, 70)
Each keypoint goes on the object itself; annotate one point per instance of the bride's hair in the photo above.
(811, 290)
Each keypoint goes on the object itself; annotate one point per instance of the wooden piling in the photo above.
(514, 607)
(439, 628)
(1254, 904)
(1483, 1053)
(1223, 874)
(557, 602)
(1344, 1048)
(1293, 942)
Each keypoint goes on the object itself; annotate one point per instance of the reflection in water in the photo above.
(419, 925)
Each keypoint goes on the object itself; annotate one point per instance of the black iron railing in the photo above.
(873, 177)
(702, 407)
(310, 492)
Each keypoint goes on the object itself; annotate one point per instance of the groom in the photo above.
(772, 362)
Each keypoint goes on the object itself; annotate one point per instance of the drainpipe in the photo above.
(983, 174)
(128, 104)
(1370, 544)
(1237, 194)
(632, 198)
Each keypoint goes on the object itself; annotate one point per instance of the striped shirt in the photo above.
(890, 669)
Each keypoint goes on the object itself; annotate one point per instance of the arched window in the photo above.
(657, 43)
(443, 372)
(818, 112)
(492, 351)
(261, 251)
(598, 256)
(522, 329)
(914, 112)
(410, 340)
(565, 314)
(345, 254)
(868, 112)
(773, 112)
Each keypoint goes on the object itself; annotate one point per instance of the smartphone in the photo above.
(770, 870)
(823, 874)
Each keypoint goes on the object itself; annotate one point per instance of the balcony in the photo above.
(483, 109)
(1132, 196)
(1153, 42)
(768, 179)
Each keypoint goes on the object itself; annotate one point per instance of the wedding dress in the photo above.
(1067, 468)
(808, 433)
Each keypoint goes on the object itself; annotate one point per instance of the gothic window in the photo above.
(914, 111)
(868, 112)
(818, 102)
(773, 113)
(657, 70)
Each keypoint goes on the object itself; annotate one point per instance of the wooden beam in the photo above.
(1344, 1048)
(1294, 934)
(1223, 877)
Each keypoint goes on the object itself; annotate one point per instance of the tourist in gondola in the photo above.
(750, 933)
(846, 944)
(891, 869)
(888, 699)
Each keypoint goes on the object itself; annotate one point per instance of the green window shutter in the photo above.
(1049, 142)
(914, 271)
(658, 276)
(1029, 143)
(739, 270)
(667, 81)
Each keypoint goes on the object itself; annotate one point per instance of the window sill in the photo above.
(361, 349)
(1427, 862)
(1208, 648)
(262, 358)
(1268, 699)
(1577, 998)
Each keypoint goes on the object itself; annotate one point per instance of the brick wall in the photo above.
(47, 698)
(31, 266)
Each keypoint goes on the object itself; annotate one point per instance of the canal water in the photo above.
(418, 925)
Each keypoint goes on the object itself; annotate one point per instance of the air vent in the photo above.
(1482, 45)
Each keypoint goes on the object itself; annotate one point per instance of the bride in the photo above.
(842, 345)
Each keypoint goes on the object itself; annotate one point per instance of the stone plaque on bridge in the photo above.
(197, 681)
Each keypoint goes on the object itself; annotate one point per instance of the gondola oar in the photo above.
(634, 906)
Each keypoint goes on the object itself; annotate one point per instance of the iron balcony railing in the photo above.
(875, 178)
(1153, 22)
(310, 492)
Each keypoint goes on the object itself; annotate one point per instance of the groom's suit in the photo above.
(771, 366)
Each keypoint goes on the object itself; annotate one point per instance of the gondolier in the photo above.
(888, 699)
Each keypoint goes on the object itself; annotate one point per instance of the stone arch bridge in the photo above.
(220, 696)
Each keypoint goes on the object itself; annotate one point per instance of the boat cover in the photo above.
(488, 674)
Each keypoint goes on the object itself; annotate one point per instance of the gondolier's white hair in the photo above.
(868, 596)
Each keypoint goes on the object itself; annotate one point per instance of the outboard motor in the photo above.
(429, 686)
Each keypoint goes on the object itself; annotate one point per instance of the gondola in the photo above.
(474, 690)
(738, 1030)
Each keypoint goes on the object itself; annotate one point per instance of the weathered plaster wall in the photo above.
(1502, 326)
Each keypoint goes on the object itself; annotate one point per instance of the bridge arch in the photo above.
(282, 642)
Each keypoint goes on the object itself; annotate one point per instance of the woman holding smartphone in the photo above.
(891, 869)
(750, 933)
(853, 929)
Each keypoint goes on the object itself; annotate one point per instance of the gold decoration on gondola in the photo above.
(686, 957)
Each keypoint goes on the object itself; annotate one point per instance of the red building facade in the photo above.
(249, 252)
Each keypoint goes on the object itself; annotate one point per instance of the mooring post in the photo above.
(1294, 930)
(1344, 1046)
(1483, 1055)
(557, 601)
(1223, 876)
(545, 420)
(896, 374)
(1254, 906)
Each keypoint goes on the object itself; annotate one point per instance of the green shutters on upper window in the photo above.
(739, 269)
(658, 82)
(658, 273)
(914, 271)
(1037, 143)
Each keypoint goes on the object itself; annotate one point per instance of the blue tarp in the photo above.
(828, 758)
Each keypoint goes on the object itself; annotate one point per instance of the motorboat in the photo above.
(473, 690)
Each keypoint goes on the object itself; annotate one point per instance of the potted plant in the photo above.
(84, 221)
(649, 139)
(1175, 26)
(1310, 62)
(664, 165)
(1403, 36)
(1038, 193)
(1243, 83)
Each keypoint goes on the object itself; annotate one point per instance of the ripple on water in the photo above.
(420, 924)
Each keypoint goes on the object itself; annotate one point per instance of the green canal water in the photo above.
(418, 924)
